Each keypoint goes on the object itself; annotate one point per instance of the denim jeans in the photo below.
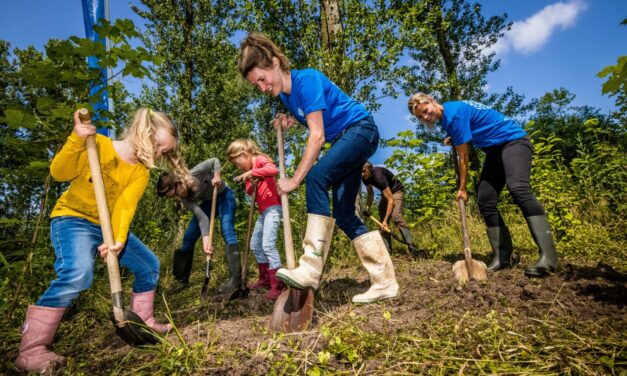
(340, 169)
(75, 241)
(225, 206)
(263, 240)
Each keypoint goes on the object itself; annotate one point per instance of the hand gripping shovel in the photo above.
(468, 268)
(293, 309)
(128, 325)
(243, 291)
(212, 220)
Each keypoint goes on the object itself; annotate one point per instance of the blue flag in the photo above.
(93, 12)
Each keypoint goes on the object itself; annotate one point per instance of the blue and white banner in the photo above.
(93, 12)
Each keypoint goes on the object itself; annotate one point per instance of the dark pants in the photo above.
(507, 164)
(397, 212)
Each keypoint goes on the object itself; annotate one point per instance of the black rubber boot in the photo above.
(234, 261)
(387, 239)
(501, 243)
(181, 268)
(541, 232)
(409, 240)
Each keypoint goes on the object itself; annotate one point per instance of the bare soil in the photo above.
(577, 296)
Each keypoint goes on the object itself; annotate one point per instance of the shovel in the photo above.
(243, 291)
(415, 251)
(468, 268)
(212, 220)
(293, 309)
(128, 325)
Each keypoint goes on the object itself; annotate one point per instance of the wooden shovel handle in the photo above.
(103, 213)
(462, 209)
(285, 206)
(212, 217)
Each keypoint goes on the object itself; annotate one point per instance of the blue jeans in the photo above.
(263, 240)
(75, 241)
(340, 168)
(226, 211)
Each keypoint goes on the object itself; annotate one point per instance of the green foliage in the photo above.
(43, 89)
(429, 179)
(616, 77)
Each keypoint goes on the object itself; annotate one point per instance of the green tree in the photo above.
(556, 116)
(43, 89)
(197, 84)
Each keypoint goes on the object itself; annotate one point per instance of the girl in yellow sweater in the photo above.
(75, 227)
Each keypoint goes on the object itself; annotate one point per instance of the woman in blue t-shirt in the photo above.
(508, 162)
(331, 116)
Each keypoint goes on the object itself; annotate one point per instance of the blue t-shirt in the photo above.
(313, 91)
(466, 121)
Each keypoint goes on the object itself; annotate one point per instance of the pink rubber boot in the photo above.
(37, 332)
(263, 281)
(276, 286)
(142, 304)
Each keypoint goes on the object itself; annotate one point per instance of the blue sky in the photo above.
(552, 44)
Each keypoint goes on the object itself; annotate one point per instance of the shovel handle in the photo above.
(249, 233)
(105, 219)
(379, 223)
(212, 218)
(462, 209)
(285, 206)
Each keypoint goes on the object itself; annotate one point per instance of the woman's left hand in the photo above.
(216, 180)
(286, 185)
(103, 249)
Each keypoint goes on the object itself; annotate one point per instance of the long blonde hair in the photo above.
(141, 136)
(257, 50)
(241, 146)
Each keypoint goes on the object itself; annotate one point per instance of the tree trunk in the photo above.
(331, 23)
(188, 74)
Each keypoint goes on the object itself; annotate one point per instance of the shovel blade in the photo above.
(133, 330)
(477, 271)
(239, 294)
(293, 310)
(460, 272)
(205, 284)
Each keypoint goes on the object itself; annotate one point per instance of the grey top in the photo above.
(203, 173)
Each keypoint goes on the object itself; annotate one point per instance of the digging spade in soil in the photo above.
(128, 325)
(243, 291)
(212, 219)
(467, 268)
(293, 309)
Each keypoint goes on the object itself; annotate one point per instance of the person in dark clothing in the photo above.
(508, 162)
(195, 194)
(391, 203)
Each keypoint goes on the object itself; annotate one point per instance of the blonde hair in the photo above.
(242, 146)
(257, 50)
(416, 99)
(141, 136)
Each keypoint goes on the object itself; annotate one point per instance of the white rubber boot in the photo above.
(376, 259)
(316, 244)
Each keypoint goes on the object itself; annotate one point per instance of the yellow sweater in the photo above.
(124, 184)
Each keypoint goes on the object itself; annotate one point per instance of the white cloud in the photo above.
(531, 34)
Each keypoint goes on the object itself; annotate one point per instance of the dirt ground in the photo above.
(576, 296)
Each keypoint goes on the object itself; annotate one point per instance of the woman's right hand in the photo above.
(283, 120)
(83, 130)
